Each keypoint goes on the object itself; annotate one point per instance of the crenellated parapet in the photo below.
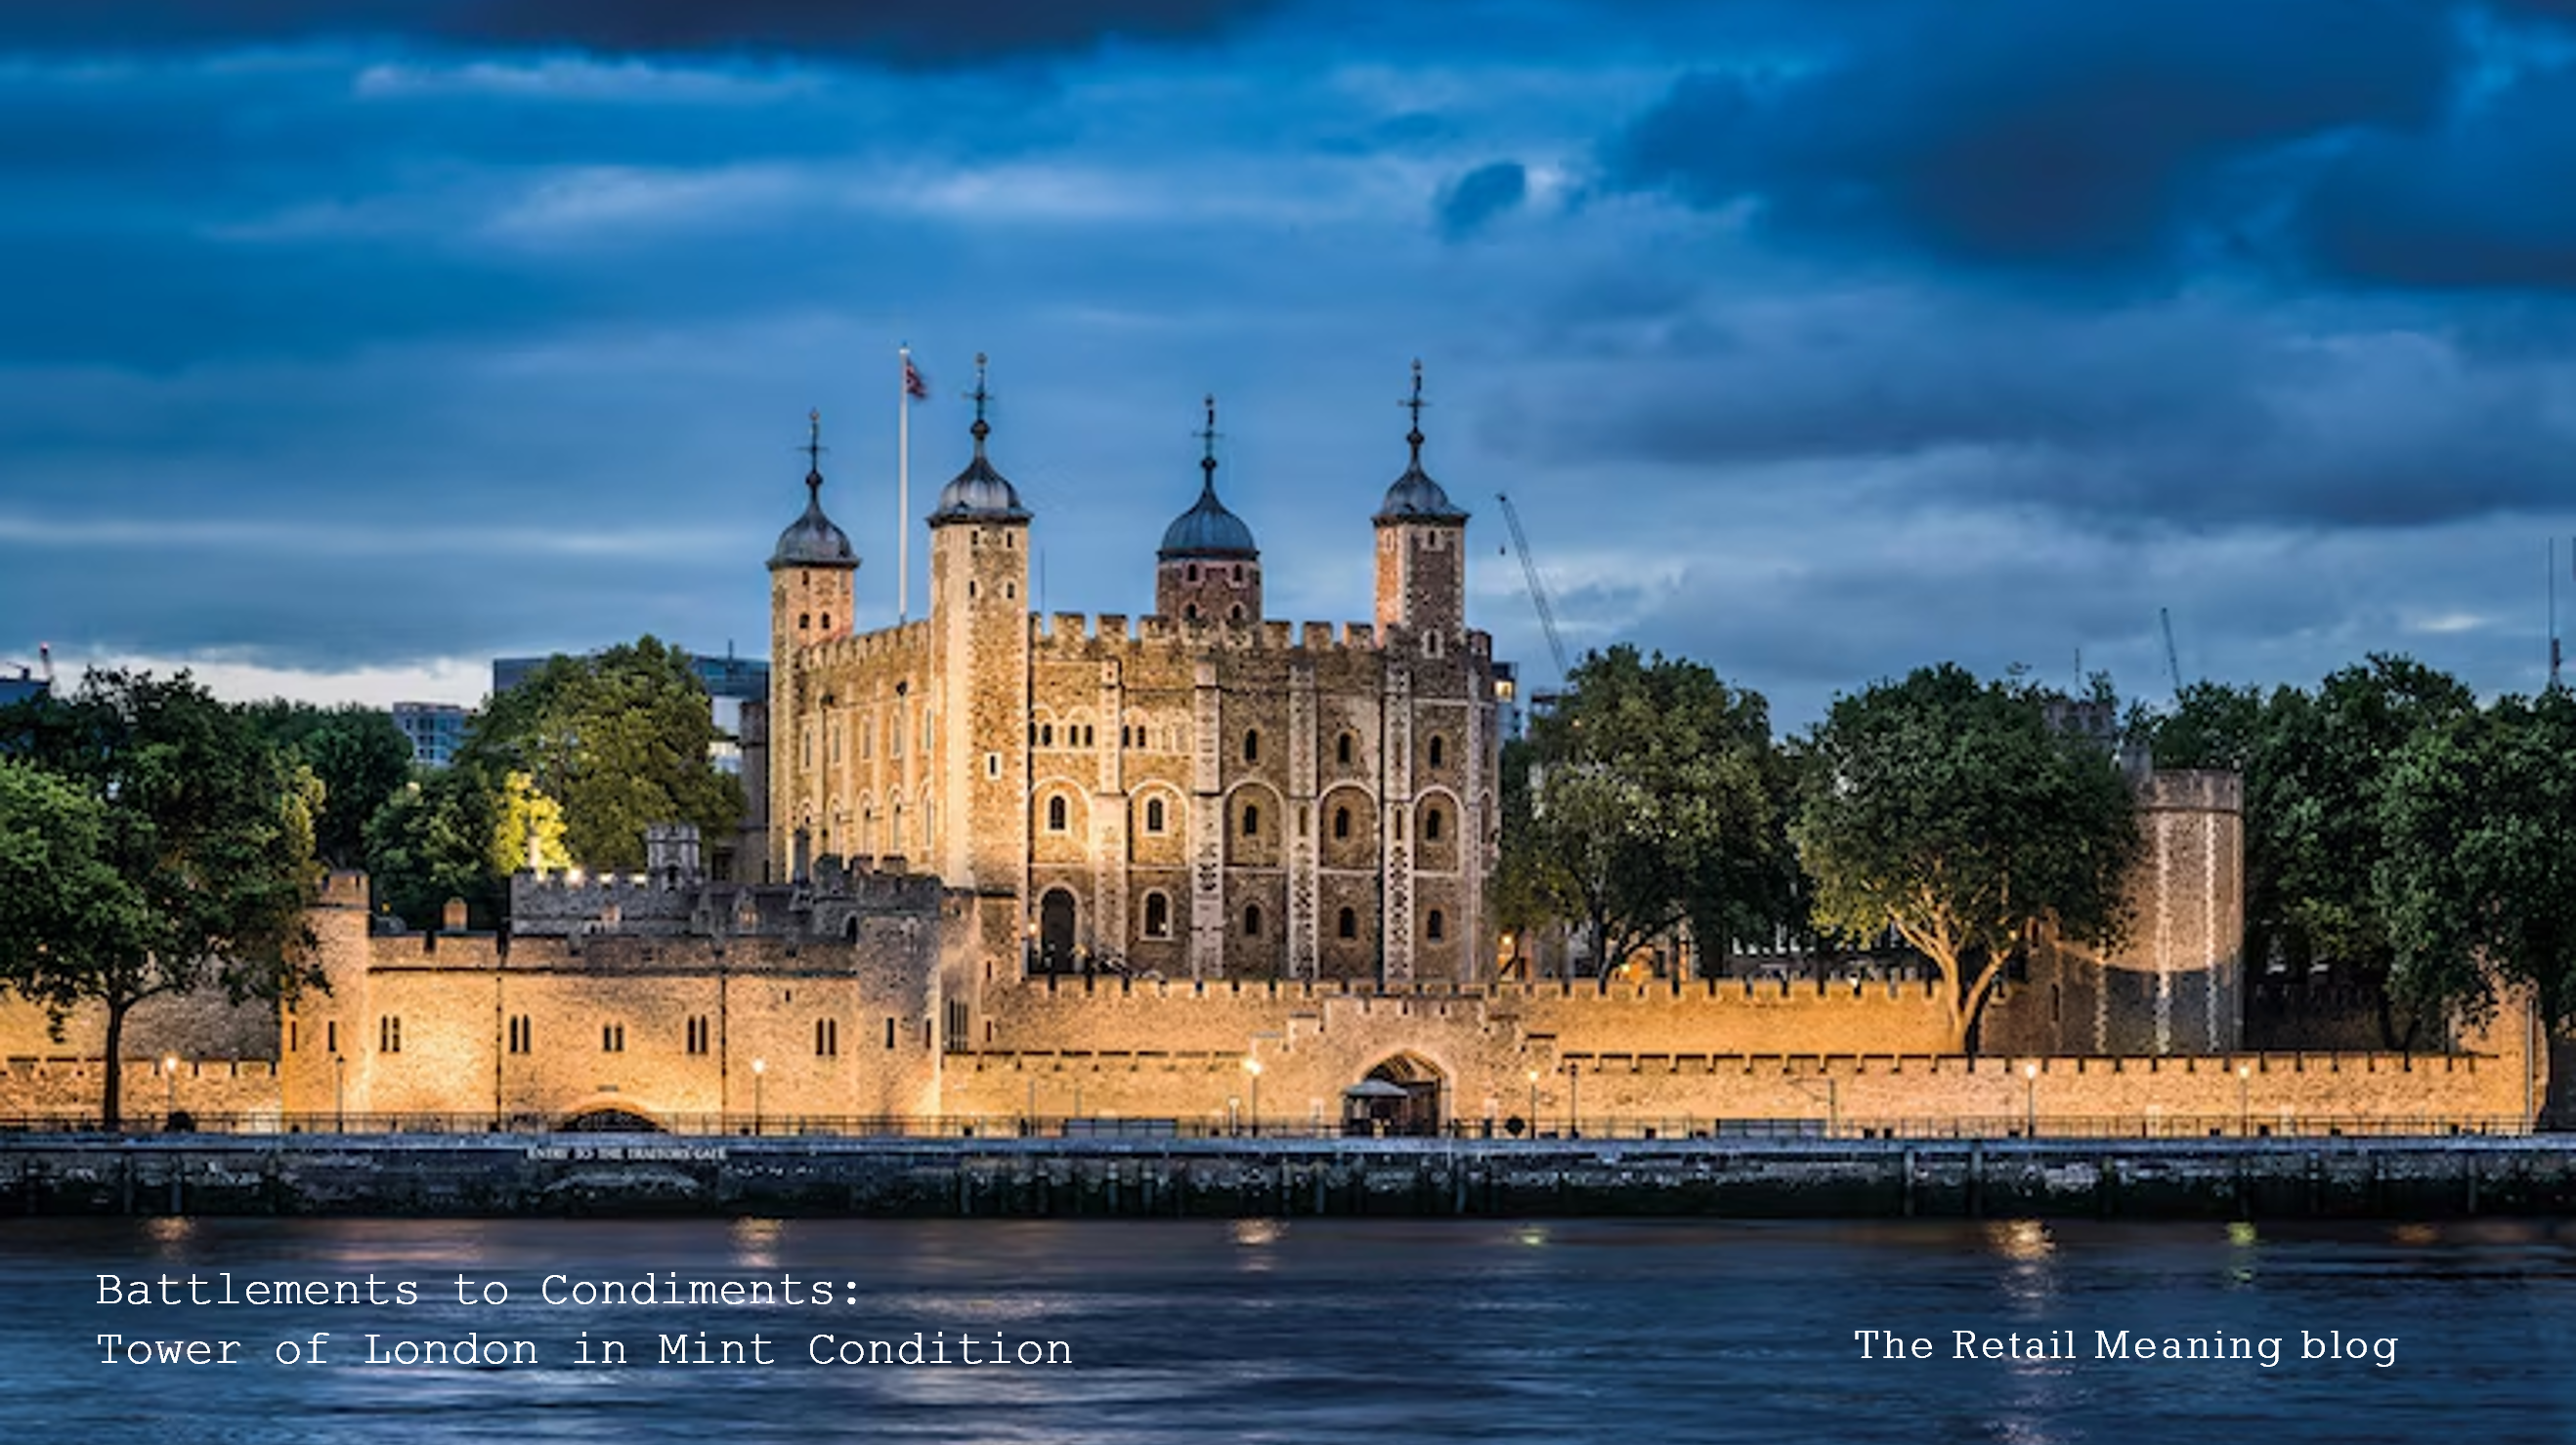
(908, 642)
(1076, 631)
(834, 902)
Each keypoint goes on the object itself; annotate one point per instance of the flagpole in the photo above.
(903, 485)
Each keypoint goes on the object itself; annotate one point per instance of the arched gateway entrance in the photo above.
(1400, 1096)
(1055, 931)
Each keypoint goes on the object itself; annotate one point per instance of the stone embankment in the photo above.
(486, 1175)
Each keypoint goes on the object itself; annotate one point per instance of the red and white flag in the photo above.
(913, 385)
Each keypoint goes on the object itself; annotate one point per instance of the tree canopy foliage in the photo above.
(359, 755)
(619, 740)
(2322, 867)
(1651, 796)
(1951, 811)
(2476, 876)
(205, 829)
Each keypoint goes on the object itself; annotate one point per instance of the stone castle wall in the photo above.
(2176, 982)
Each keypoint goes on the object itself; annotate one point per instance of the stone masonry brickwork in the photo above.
(870, 996)
(1218, 795)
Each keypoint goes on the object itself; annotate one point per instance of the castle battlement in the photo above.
(829, 904)
(1114, 629)
(867, 647)
(2185, 790)
(1657, 994)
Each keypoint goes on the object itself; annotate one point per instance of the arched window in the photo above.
(1252, 920)
(1436, 925)
(1194, 576)
(1251, 819)
(1055, 814)
(1342, 750)
(1234, 613)
(1348, 925)
(1439, 749)
(1191, 612)
(804, 622)
(1341, 822)
(826, 623)
(1252, 745)
(1158, 916)
(1153, 815)
(1046, 735)
(1431, 826)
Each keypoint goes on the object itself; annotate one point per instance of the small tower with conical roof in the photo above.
(1208, 569)
(812, 569)
(979, 621)
(1421, 550)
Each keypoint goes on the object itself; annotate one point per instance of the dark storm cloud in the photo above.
(2073, 137)
(2172, 414)
(900, 32)
(2480, 205)
(1479, 197)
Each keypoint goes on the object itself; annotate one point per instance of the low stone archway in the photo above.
(608, 1117)
(1399, 1096)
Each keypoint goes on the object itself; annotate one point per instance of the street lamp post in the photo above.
(339, 1094)
(1573, 1100)
(759, 1076)
(1533, 1113)
(2244, 1105)
(1253, 1068)
(2030, 1101)
(170, 1104)
(1233, 1115)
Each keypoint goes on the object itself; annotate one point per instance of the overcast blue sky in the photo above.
(345, 346)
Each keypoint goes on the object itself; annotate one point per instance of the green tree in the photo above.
(2314, 801)
(2476, 873)
(1650, 796)
(360, 757)
(65, 912)
(456, 833)
(1951, 811)
(210, 832)
(620, 740)
(2320, 873)
(2211, 725)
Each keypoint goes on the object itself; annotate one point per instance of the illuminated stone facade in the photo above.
(1201, 794)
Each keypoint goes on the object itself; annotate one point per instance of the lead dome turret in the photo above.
(979, 493)
(812, 540)
(1208, 568)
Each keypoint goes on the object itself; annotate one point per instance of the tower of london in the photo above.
(1202, 793)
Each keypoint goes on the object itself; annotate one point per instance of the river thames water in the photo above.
(1296, 1331)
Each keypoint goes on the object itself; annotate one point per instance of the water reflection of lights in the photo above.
(755, 1242)
(170, 1233)
(1255, 1237)
(1533, 1235)
(2242, 1238)
(2041, 1389)
(2023, 1240)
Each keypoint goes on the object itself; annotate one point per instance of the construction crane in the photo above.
(2555, 659)
(2173, 662)
(1537, 589)
(44, 660)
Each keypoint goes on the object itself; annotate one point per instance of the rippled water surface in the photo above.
(1308, 1330)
